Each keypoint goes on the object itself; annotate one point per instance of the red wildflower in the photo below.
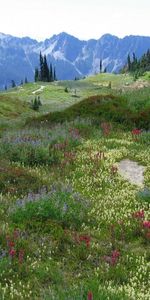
(136, 131)
(112, 260)
(146, 224)
(12, 252)
(139, 214)
(86, 239)
(115, 254)
(11, 244)
(90, 296)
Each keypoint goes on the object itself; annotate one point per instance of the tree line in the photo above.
(138, 66)
(44, 72)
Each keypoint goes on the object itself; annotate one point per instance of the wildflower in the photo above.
(115, 254)
(11, 244)
(139, 214)
(136, 131)
(90, 296)
(146, 224)
(12, 252)
(113, 259)
(86, 239)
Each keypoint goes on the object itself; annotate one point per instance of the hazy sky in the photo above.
(84, 19)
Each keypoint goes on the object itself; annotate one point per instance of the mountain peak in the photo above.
(108, 36)
(4, 36)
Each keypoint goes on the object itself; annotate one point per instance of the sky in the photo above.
(84, 19)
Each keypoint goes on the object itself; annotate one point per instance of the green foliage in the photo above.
(144, 195)
(66, 90)
(15, 180)
(60, 207)
(36, 103)
(102, 107)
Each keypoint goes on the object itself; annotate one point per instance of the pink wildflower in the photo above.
(139, 214)
(12, 252)
(146, 224)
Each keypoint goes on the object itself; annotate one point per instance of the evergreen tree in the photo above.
(54, 76)
(5, 87)
(39, 101)
(35, 104)
(26, 80)
(105, 70)
(100, 66)
(41, 67)
(51, 73)
(138, 67)
(129, 62)
(45, 73)
(21, 83)
(45, 70)
(13, 84)
(36, 75)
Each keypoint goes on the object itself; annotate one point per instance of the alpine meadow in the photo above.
(74, 165)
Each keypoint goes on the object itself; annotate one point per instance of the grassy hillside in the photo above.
(71, 226)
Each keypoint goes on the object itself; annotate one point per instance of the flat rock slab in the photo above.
(132, 171)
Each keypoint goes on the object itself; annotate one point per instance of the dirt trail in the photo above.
(39, 90)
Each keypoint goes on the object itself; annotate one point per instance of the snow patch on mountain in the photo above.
(50, 49)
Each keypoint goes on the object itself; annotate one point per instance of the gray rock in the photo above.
(132, 171)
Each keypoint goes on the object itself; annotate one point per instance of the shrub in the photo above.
(144, 195)
(60, 206)
(16, 180)
(36, 103)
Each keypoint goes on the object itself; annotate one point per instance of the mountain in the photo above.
(71, 56)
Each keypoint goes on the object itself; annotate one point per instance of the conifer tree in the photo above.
(51, 73)
(36, 75)
(41, 67)
(26, 80)
(129, 63)
(100, 66)
(13, 84)
(45, 73)
(54, 76)
(45, 70)
(138, 66)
